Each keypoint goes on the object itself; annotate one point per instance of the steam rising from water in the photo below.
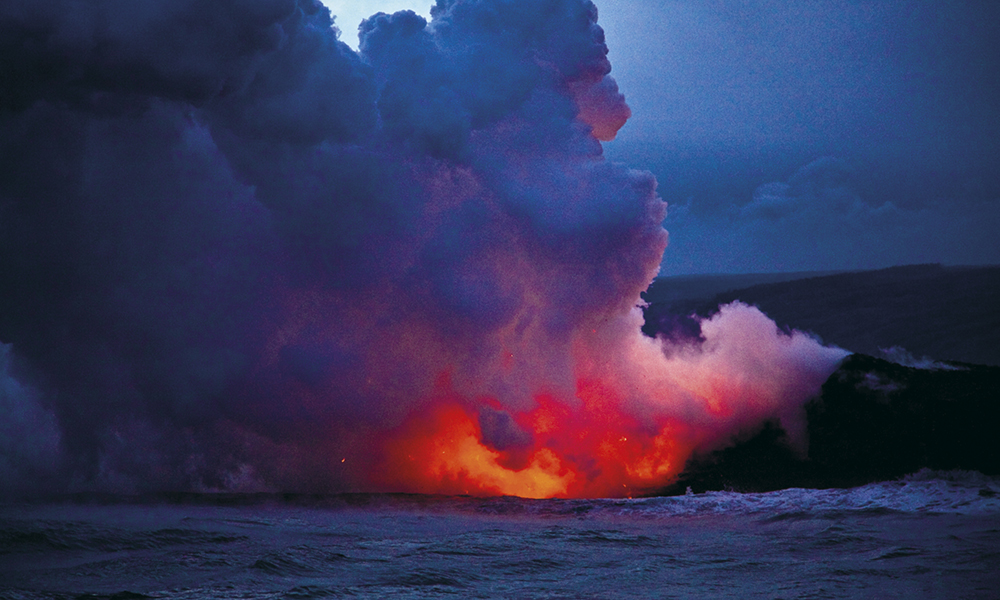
(235, 254)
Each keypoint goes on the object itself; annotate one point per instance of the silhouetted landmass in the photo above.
(699, 287)
(946, 313)
(874, 420)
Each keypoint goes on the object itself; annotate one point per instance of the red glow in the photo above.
(588, 450)
(442, 452)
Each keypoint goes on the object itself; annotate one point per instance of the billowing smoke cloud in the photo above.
(235, 254)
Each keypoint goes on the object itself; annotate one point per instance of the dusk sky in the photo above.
(790, 136)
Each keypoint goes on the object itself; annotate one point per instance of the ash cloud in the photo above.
(233, 251)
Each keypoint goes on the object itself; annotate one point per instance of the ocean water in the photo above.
(931, 535)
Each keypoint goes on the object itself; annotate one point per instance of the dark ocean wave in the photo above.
(924, 491)
(53, 535)
(929, 535)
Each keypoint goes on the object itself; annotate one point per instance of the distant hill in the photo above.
(701, 287)
(945, 313)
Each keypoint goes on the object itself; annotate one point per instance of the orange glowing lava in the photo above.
(589, 448)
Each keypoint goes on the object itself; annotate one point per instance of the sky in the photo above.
(793, 136)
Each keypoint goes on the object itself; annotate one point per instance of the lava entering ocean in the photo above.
(633, 418)
(237, 255)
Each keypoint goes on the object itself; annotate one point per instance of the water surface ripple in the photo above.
(933, 535)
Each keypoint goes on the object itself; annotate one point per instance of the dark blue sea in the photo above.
(930, 535)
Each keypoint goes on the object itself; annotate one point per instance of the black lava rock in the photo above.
(873, 420)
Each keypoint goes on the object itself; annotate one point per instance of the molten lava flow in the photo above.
(592, 449)
(442, 452)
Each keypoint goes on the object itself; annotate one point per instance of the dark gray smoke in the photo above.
(228, 242)
(236, 255)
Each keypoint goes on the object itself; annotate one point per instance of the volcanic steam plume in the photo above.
(237, 255)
